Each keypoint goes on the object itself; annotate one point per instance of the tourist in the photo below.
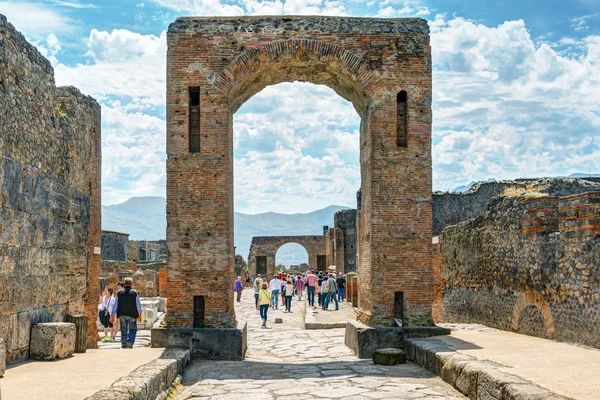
(283, 283)
(275, 288)
(265, 301)
(341, 283)
(256, 288)
(116, 324)
(239, 286)
(311, 282)
(106, 301)
(324, 291)
(127, 308)
(299, 285)
(320, 289)
(289, 293)
(333, 289)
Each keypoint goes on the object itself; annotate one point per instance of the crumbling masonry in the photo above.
(382, 66)
(50, 161)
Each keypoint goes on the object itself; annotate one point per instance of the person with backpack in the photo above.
(264, 299)
(127, 308)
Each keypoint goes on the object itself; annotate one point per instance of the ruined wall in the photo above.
(159, 247)
(115, 246)
(334, 249)
(50, 164)
(345, 220)
(452, 208)
(267, 246)
(383, 66)
(528, 264)
(146, 282)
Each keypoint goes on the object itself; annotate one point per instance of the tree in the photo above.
(280, 268)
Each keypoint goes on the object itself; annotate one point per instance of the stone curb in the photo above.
(474, 378)
(148, 381)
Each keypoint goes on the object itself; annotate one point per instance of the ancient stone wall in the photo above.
(50, 164)
(452, 208)
(267, 246)
(530, 264)
(146, 282)
(115, 246)
(142, 250)
(334, 249)
(345, 220)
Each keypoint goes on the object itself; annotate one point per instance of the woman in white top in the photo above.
(288, 293)
(106, 304)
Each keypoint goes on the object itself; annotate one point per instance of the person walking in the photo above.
(264, 298)
(341, 284)
(275, 288)
(239, 286)
(289, 293)
(311, 283)
(104, 307)
(320, 291)
(116, 325)
(256, 289)
(333, 289)
(127, 308)
(299, 284)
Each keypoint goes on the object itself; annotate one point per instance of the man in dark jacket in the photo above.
(127, 308)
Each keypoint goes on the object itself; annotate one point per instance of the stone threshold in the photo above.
(477, 379)
(148, 381)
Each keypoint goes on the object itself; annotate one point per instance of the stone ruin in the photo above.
(525, 259)
(383, 66)
(50, 164)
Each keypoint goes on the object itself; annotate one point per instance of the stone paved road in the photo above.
(290, 362)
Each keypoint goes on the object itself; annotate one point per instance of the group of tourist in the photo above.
(266, 294)
(119, 311)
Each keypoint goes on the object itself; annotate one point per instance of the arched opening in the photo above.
(368, 65)
(291, 257)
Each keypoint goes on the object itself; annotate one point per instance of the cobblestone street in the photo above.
(287, 360)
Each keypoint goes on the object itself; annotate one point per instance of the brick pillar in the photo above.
(396, 217)
(94, 238)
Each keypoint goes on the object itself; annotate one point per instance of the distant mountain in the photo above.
(145, 218)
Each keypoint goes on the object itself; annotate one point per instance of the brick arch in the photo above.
(303, 60)
(533, 298)
(214, 64)
(267, 246)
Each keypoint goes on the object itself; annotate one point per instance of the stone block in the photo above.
(2, 357)
(51, 341)
(389, 356)
(278, 321)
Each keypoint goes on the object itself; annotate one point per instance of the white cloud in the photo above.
(35, 20)
(506, 108)
(256, 7)
(125, 65)
(72, 4)
(297, 149)
(133, 154)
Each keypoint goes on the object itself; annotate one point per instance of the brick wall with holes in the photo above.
(383, 66)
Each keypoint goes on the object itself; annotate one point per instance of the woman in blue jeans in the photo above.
(264, 299)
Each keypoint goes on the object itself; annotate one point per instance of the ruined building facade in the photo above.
(50, 164)
(383, 66)
(529, 263)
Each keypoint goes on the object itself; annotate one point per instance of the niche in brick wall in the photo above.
(199, 310)
(194, 123)
(402, 119)
(399, 305)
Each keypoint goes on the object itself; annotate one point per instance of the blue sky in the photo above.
(516, 94)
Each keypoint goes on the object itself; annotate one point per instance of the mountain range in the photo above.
(145, 218)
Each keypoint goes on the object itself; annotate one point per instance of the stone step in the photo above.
(477, 379)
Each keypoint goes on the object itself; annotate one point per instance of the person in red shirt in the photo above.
(311, 283)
